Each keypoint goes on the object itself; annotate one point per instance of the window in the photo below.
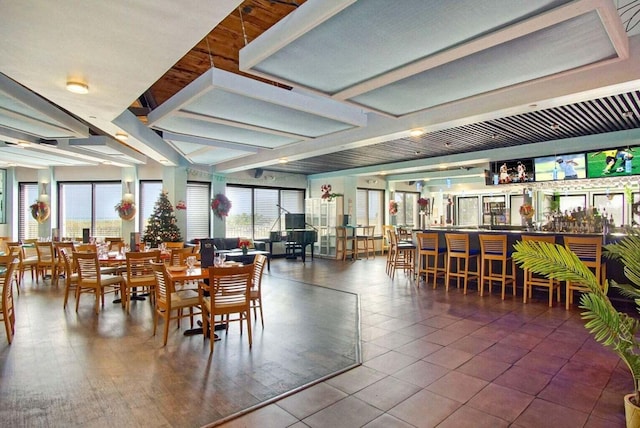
(199, 209)
(89, 206)
(255, 211)
(370, 208)
(149, 193)
(27, 226)
(407, 207)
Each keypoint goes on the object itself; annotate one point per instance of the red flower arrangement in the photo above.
(243, 243)
(526, 211)
(221, 205)
(422, 204)
(181, 205)
(393, 207)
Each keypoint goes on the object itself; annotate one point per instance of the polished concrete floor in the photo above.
(430, 358)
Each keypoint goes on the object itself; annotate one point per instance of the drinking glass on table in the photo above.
(191, 262)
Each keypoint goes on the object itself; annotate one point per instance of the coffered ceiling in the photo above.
(325, 85)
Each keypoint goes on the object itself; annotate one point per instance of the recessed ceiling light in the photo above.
(416, 132)
(627, 114)
(77, 87)
(122, 136)
(283, 160)
(163, 161)
(554, 126)
(23, 144)
(447, 144)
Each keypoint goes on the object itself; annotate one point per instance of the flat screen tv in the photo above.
(294, 221)
(560, 167)
(512, 171)
(613, 162)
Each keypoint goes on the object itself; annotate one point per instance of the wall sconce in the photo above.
(43, 192)
(128, 195)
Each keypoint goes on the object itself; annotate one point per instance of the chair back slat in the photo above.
(457, 242)
(427, 241)
(162, 284)
(88, 266)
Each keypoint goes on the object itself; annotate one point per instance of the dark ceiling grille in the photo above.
(608, 114)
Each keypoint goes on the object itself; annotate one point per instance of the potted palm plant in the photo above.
(612, 328)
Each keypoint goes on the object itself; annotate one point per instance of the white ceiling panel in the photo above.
(221, 106)
(361, 50)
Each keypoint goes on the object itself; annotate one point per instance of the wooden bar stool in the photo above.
(534, 280)
(496, 263)
(429, 253)
(589, 250)
(458, 250)
(401, 256)
(344, 243)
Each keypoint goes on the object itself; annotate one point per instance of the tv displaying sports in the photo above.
(512, 171)
(560, 167)
(613, 162)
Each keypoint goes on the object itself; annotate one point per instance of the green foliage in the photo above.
(162, 226)
(613, 329)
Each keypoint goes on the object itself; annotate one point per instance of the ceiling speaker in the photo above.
(258, 173)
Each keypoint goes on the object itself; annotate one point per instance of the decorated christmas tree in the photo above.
(162, 225)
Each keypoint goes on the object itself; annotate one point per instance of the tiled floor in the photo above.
(444, 359)
(430, 358)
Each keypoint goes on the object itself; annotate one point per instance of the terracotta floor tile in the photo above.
(541, 362)
(610, 406)
(500, 401)
(419, 348)
(520, 340)
(541, 413)
(421, 373)
(457, 386)
(440, 321)
(354, 380)
(311, 400)
(558, 348)
(444, 337)
(387, 421)
(387, 392)
(347, 413)
(504, 353)
(483, 368)
(586, 374)
(571, 394)
(468, 417)
(525, 380)
(390, 362)
(472, 345)
(269, 416)
(448, 357)
(425, 409)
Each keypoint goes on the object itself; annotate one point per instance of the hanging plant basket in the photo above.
(126, 210)
(40, 211)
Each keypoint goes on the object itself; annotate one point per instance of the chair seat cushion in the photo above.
(184, 298)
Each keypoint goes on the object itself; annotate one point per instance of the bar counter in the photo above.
(614, 270)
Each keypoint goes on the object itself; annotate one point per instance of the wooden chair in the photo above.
(92, 280)
(28, 260)
(229, 293)
(6, 260)
(16, 253)
(57, 247)
(458, 251)
(139, 274)
(86, 248)
(385, 239)
(259, 262)
(589, 250)
(429, 253)
(496, 264)
(401, 256)
(534, 280)
(171, 245)
(178, 255)
(70, 274)
(169, 301)
(345, 243)
(47, 262)
(6, 303)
